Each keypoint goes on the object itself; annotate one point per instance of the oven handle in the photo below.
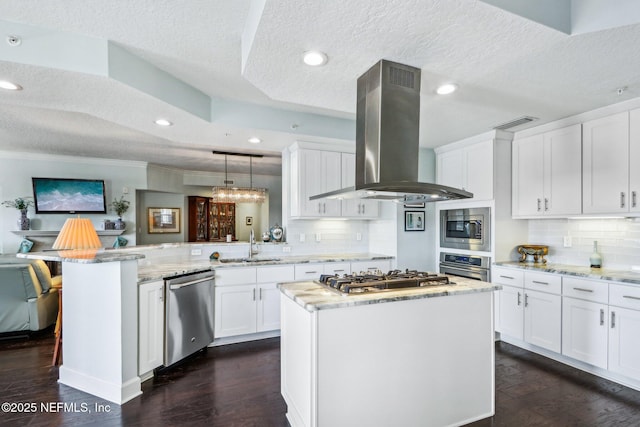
(470, 273)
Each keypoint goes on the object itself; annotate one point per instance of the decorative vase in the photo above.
(24, 223)
(595, 259)
(119, 224)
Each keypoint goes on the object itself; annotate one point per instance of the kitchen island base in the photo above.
(426, 362)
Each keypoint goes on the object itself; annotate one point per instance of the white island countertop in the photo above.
(313, 296)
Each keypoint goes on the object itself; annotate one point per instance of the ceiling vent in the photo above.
(516, 122)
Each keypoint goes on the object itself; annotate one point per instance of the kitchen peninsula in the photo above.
(419, 356)
(102, 314)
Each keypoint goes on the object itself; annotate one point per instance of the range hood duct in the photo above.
(387, 139)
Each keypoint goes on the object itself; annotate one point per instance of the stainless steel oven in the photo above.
(469, 266)
(466, 229)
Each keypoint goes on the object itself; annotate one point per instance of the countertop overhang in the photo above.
(313, 297)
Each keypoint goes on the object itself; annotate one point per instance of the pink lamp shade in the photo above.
(77, 233)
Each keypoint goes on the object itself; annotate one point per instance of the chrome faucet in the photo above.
(252, 240)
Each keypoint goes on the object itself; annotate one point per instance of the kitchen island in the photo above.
(420, 356)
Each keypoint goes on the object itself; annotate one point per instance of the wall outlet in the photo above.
(302, 238)
(567, 241)
(125, 190)
(196, 251)
(318, 238)
(286, 249)
(358, 236)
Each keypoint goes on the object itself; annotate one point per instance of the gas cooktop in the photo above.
(379, 282)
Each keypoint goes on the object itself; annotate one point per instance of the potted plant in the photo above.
(120, 206)
(22, 204)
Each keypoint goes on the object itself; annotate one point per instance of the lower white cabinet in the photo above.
(150, 326)
(246, 308)
(584, 331)
(542, 317)
(624, 329)
(527, 314)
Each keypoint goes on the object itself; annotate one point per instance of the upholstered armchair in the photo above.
(28, 302)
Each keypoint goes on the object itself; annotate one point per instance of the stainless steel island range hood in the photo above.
(387, 139)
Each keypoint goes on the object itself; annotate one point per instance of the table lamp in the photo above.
(79, 237)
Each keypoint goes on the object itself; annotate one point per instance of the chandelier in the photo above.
(228, 194)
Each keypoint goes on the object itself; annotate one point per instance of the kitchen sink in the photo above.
(247, 260)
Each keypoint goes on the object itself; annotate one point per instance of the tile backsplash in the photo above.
(618, 240)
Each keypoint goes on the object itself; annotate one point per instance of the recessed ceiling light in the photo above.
(4, 84)
(255, 140)
(163, 122)
(446, 89)
(314, 58)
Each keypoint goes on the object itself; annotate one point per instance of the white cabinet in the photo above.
(547, 174)
(530, 307)
(624, 327)
(355, 208)
(584, 320)
(634, 160)
(247, 299)
(584, 331)
(605, 157)
(469, 168)
(150, 326)
(314, 172)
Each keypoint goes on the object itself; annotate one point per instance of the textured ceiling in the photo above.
(506, 67)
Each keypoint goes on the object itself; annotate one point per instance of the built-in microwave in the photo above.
(466, 229)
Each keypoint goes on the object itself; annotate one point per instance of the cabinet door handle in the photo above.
(613, 319)
(338, 271)
(519, 302)
(630, 297)
(254, 294)
(507, 277)
(363, 206)
(583, 290)
(324, 208)
(526, 300)
(539, 283)
(319, 207)
(601, 317)
(622, 199)
(310, 272)
(546, 204)
(260, 294)
(539, 201)
(634, 200)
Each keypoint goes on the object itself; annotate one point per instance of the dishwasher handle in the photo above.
(193, 282)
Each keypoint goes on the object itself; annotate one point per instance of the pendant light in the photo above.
(228, 194)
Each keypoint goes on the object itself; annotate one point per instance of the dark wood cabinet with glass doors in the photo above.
(209, 221)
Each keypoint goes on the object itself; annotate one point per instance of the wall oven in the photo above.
(466, 229)
(469, 266)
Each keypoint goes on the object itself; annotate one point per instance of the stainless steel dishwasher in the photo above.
(188, 314)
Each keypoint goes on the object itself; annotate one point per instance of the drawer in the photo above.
(338, 268)
(627, 296)
(543, 282)
(590, 290)
(309, 271)
(275, 273)
(507, 276)
(373, 265)
(235, 276)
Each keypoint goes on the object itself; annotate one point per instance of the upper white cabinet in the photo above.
(355, 208)
(606, 165)
(547, 174)
(469, 168)
(314, 172)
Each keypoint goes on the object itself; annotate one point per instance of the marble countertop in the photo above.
(88, 256)
(625, 276)
(312, 296)
(157, 271)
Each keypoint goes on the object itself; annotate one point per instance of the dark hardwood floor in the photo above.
(239, 385)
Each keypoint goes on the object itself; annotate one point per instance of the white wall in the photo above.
(618, 240)
(17, 169)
